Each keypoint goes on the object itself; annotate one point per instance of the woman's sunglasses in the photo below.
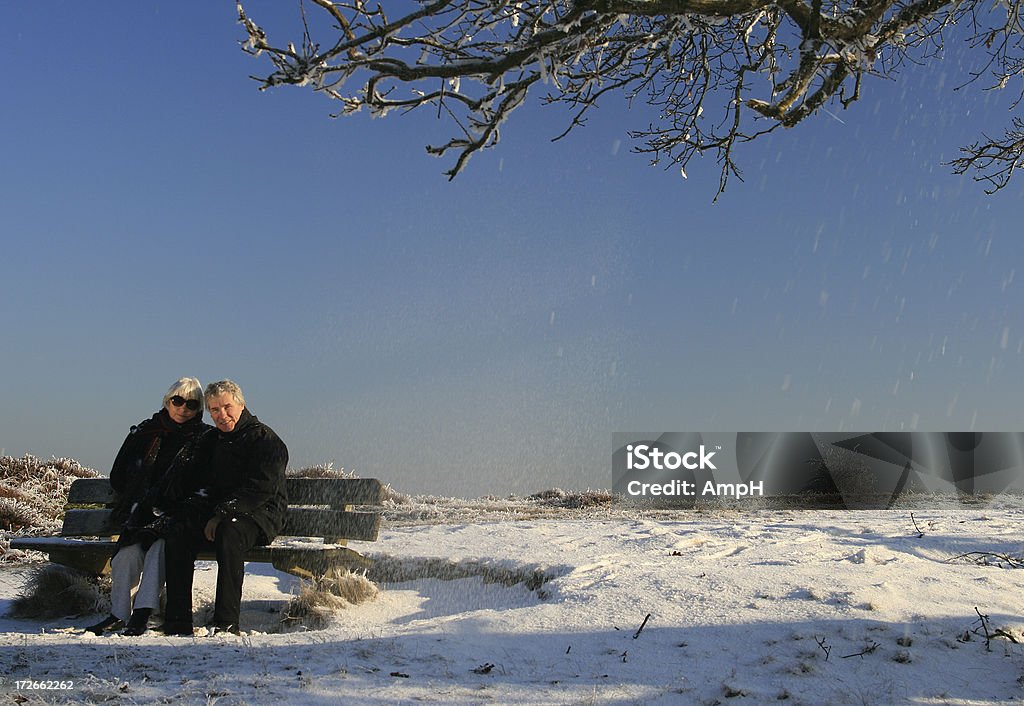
(191, 405)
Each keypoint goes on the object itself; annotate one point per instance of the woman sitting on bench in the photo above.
(144, 457)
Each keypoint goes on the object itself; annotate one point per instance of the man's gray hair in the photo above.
(189, 388)
(225, 387)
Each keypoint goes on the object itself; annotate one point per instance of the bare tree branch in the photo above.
(993, 161)
(717, 73)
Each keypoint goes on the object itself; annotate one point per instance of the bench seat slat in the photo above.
(301, 491)
(45, 544)
(299, 522)
(89, 556)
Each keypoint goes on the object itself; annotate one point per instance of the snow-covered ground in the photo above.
(735, 606)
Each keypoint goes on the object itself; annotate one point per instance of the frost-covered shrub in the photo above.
(55, 591)
(17, 515)
(577, 499)
(33, 492)
(319, 598)
(320, 470)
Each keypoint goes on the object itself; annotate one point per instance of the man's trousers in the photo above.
(234, 537)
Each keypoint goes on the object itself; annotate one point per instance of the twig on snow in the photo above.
(979, 558)
(991, 634)
(866, 651)
(920, 532)
(825, 647)
(641, 628)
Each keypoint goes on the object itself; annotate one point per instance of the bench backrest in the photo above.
(317, 507)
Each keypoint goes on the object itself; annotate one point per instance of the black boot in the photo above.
(169, 627)
(107, 624)
(221, 628)
(138, 623)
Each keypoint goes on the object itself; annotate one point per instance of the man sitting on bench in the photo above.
(234, 480)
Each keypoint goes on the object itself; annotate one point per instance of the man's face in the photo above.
(224, 411)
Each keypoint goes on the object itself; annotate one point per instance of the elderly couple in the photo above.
(183, 487)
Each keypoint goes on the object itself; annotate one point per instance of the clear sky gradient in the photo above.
(160, 217)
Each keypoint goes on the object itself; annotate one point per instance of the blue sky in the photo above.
(161, 217)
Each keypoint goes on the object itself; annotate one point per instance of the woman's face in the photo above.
(178, 408)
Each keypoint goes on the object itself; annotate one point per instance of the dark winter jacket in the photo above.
(145, 456)
(238, 474)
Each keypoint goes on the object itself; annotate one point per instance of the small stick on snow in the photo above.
(980, 558)
(866, 651)
(920, 532)
(641, 628)
(989, 636)
(984, 626)
(825, 647)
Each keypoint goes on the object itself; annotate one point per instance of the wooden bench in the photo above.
(322, 517)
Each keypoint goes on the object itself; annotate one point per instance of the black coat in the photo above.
(145, 456)
(237, 474)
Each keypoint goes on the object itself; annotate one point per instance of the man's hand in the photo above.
(211, 527)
